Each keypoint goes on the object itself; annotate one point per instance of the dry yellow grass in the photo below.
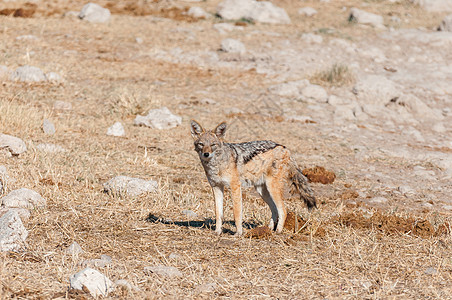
(108, 77)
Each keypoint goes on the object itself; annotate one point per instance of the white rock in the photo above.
(378, 200)
(23, 213)
(435, 5)
(94, 13)
(127, 285)
(447, 207)
(336, 101)
(262, 11)
(406, 190)
(307, 11)
(27, 37)
(364, 17)
(163, 271)
(232, 46)
(48, 127)
(13, 144)
(116, 129)
(23, 198)
(62, 105)
(312, 38)
(50, 148)
(54, 77)
(197, 12)
(315, 92)
(376, 89)
(224, 28)
(343, 113)
(446, 23)
(124, 185)
(3, 179)
(161, 118)
(74, 249)
(95, 282)
(101, 262)
(289, 89)
(417, 107)
(28, 74)
(12, 231)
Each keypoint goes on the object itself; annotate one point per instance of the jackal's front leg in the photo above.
(218, 192)
(236, 195)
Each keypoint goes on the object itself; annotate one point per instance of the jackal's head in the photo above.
(207, 143)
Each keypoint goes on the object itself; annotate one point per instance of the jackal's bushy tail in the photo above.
(301, 185)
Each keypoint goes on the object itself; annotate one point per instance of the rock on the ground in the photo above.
(74, 249)
(23, 213)
(312, 38)
(54, 77)
(95, 282)
(28, 74)
(161, 270)
(315, 92)
(259, 11)
(127, 285)
(161, 118)
(3, 179)
(124, 185)
(12, 232)
(289, 89)
(23, 198)
(94, 13)
(366, 18)
(116, 129)
(376, 89)
(233, 46)
(446, 24)
(13, 144)
(307, 11)
(48, 127)
(101, 262)
(417, 107)
(50, 148)
(198, 12)
(435, 5)
(206, 288)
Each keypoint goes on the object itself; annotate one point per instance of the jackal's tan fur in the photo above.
(265, 165)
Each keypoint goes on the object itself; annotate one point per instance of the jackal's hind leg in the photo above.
(275, 189)
(263, 191)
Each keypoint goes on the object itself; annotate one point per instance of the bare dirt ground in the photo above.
(354, 246)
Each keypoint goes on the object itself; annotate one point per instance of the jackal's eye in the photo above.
(214, 145)
(199, 145)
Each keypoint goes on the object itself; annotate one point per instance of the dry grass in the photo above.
(337, 75)
(109, 77)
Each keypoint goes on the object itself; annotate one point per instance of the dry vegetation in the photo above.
(344, 249)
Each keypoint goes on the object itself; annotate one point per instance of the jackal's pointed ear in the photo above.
(220, 130)
(196, 129)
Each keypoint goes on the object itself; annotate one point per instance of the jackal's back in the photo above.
(245, 152)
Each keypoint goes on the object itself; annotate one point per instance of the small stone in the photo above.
(62, 105)
(431, 271)
(23, 198)
(139, 40)
(206, 288)
(101, 262)
(312, 38)
(364, 17)
(95, 282)
(124, 185)
(307, 11)
(94, 13)
(48, 127)
(15, 145)
(259, 11)
(165, 271)
(12, 231)
(54, 77)
(378, 200)
(189, 213)
(23, 213)
(116, 129)
(406, 190)
(197, 12)
(315, 92)
(27, 37)
(50, 148)
(127, 285)
(161, 118)
(74, 249)
(233, 46)
(28, 74)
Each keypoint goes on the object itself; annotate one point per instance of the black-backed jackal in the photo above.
(265, 165)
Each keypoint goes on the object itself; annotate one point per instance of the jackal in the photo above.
(265, 165)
